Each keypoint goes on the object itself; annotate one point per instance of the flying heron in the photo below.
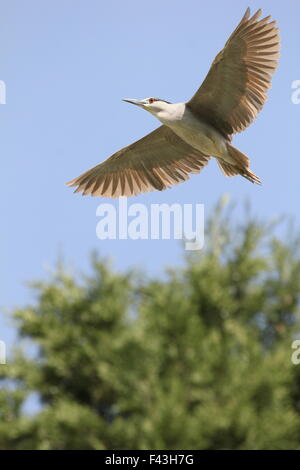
(228, 100)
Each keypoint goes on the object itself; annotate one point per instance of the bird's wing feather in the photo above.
(234, 90)
(157, 161)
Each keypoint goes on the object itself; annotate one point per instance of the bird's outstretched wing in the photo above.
(157, 161)
(234, 90)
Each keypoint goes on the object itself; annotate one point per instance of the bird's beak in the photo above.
(136, 102)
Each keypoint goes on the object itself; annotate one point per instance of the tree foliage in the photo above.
(200, 359)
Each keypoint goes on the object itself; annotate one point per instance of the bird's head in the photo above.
(153, 105)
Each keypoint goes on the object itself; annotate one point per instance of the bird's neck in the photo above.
(171, 112)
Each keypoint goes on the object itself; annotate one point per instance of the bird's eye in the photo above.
(151, 100)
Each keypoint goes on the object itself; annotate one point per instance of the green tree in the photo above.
(198, 360)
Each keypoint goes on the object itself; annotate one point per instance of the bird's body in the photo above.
(228, 100)
(193, 130)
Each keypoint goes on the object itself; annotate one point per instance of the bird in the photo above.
(193, 132)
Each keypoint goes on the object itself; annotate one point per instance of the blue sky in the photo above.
(66, 65)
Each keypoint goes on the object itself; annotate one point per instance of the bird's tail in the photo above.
(239, 167)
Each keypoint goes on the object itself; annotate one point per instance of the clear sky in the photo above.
(66, 65)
